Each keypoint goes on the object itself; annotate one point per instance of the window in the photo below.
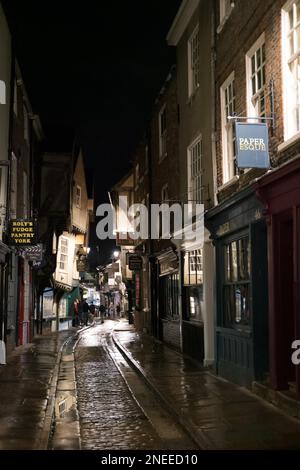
(225, 10)
(63, 259)
(228, 129)
(195, 171)
(78, 197)
(236, 288)
(193, 267)
(194, 59)
(169, 300)
(291, 67)
(256, 79)
(26, 124)
(16, 98)
(162, 121)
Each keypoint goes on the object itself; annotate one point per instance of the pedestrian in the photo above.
(76, 312)
(102, 312)
(85, 312)
(118, 310)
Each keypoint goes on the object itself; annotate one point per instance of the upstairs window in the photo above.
(228, 129)
(78, 197)
(63, 259)
(195, 172)
(291, 67)
(194, 59)
(256, 79)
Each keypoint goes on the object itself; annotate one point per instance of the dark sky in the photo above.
(93, 69)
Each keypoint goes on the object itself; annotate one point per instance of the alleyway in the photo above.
(110, 417)
(107, 387)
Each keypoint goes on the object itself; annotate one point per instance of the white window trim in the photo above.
(288, 136)
(191, 91)
(251, 111)
(64, 270)
(189, 176)
(225, 161)
(161, 154)
(223, 16)
(78, 204)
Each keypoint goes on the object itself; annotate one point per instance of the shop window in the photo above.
(193, 267)
(236, 286)
(170, 296)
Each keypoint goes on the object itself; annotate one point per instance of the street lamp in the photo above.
(116, 254)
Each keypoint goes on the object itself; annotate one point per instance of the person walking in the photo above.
(85, 312)
(102, 312)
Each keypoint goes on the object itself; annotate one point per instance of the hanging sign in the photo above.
(22, 232)
(135, 262)
(252, 145)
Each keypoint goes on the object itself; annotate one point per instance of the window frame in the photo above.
(191, 191)
(234, 283)
(192, 75)
(289, 121)
(253, 108)
(228, 131)
(78, 197)
(63, 252)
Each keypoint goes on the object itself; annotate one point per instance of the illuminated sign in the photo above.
(22, 232)
(252, 145)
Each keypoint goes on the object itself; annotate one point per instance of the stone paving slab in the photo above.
(25, 391)
(217, 413)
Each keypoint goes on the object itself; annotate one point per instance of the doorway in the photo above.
(285, 293)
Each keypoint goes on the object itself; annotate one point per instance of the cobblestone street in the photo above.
(110, 418)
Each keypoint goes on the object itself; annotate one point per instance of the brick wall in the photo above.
(247, 21)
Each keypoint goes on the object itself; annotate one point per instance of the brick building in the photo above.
(254, 223)
(165, 274)
(191, 33)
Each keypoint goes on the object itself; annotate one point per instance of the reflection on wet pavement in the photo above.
(24, 392)
(223, 415)
(109, 416)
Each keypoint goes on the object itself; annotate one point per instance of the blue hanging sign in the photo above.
(252, 145)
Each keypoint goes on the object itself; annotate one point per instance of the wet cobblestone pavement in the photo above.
(221, 414)
(24, 392)
(109, 416)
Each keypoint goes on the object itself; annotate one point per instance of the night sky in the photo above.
(92, 71)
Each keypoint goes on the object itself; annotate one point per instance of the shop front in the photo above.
(238, 231)
(169, 298)
(193, 304)
(280, 193)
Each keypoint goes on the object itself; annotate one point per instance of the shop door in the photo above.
(286, 324)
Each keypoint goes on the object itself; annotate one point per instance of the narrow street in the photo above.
(111, 417)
